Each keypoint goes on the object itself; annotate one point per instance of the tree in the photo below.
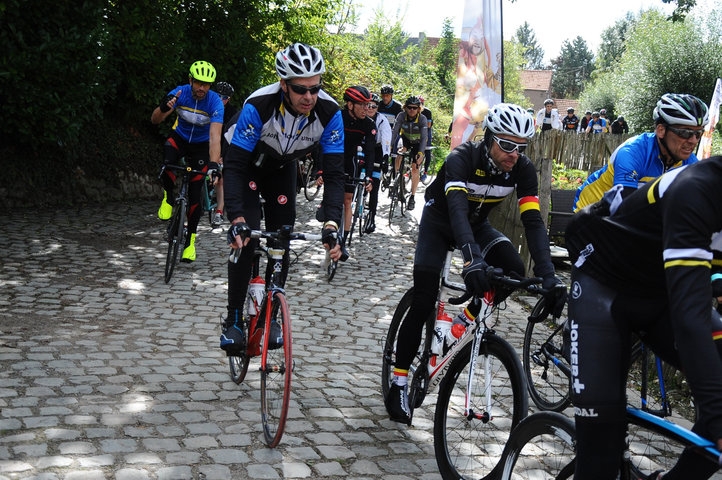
(613, 44)
(572, 68)
(446, 56)
(533, 53)
(513, 65)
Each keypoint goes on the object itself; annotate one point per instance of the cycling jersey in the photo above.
(358, 131)
(429, 123)
(270, 136)
(411, 132)
(466, 189)
(390, 111)
(194, 117)
(598, 126)
(632, 164)
(619, 127)
(570, 124)
(383, 134)
(659, 246)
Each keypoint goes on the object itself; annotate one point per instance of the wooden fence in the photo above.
(586, 152)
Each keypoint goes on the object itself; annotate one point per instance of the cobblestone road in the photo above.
(109, 373)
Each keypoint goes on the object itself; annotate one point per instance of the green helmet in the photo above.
(203, 71)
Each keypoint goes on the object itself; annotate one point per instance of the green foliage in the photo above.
(567, 178)
(658, 60)
(513, 65)
(613, 44)
(572, 68)
(681, 10)
(533, 53)
(601, 93)
(446, 57)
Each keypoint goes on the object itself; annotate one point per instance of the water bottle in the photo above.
(459, 326)
(361, 162)
(441, 329)
(256, 289)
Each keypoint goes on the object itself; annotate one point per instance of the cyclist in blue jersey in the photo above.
(643, 266)
(679, 119)
(279, 124)
(596, 124)
(196, 136)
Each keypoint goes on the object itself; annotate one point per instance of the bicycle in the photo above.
(306, 177)
(543, 445)
(487, 401)
(357, 203)
(398, 187)
(276, 361)
(548, 370)
(209, 202)
(430, 174)
(177, 230)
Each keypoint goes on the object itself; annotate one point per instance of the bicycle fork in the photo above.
(469, 412)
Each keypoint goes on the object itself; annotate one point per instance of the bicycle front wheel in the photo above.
(393, 194)
(541, 446)
(239, 364)
(276, 368)
(469, 445)
(176, 239)
(546, 369)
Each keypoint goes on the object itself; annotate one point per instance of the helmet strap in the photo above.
(488, 140)
(667, 158)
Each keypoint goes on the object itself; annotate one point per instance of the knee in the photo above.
(426, 288)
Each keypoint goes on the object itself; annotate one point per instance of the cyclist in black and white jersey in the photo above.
(279, 124)
(475, 178)
(412, 129)
(389, 107)
(644, 265)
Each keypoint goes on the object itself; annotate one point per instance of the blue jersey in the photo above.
(193, 123)
(633, 163)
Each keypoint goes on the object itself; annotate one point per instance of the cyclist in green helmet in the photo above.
(196, 136)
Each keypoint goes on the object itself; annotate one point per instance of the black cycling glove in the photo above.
(240, 228)
(556, 295)
(214, 170)
(164, 103)
(329, 236)
(474, 270)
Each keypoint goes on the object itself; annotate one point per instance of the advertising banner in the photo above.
(705, 144)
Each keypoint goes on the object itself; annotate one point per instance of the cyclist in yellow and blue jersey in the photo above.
(679, 119)
(196, 136)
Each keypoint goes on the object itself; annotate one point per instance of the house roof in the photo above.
(563, 103)
(536, 80)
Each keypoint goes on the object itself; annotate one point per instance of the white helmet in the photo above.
(681, 109)
(299, 61)
(509, 119)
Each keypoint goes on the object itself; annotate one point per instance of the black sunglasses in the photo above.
(686, 133)
(225, 97)
(412, 107)
(301, 90)
(508, 146)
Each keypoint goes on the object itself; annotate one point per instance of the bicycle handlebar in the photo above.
(188, 170)
(236, 252)
(496, 279)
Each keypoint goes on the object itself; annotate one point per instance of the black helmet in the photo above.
(357, 94)
(375, 97)
(588, 112)
(595, 114)
(548, 101)
(224, 88)
(570, 110)
(412, 100)
(620, 118)
(387, 90)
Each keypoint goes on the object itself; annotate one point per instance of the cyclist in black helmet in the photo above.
(412, 129)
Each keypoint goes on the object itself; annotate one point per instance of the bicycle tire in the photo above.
(360, 217)
(541, 446)
(393, 192)
(310, 188)
(468, 447)
(389, 352)
(331, 270)
(401, 197)
(238, 364)
(176, 239)
(277, 366)
(354, 213)
(545, 367)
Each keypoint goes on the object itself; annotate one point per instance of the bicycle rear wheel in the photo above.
(176, 238)
(357, 197)
(393, 193)
(310, 188)
(541, 446)
(470, 446)
(389, 353)
(546, 369)
(276, 368)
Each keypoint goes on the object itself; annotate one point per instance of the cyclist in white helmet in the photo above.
(475, 177)
(679, 121)
(279, 124)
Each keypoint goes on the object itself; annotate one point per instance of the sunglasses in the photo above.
(508, 146)
(301, 90)
(686, 133)
(372, 105)
(225, 97)
(411, 107)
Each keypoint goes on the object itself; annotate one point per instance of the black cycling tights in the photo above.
(601, 322)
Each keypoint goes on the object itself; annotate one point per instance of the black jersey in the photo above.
(390, 111)
(468, 186)
(663, 241)
(358, 132)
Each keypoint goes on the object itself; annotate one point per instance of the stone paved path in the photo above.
(106, 372)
